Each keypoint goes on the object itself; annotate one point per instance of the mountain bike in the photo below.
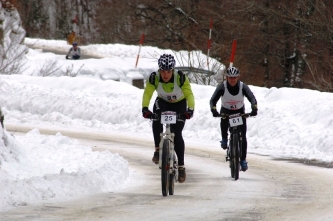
(234, 151)
(168, 158)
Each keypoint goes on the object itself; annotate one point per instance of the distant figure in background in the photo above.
(74, 52)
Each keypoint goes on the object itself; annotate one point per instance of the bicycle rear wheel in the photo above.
(236, 155)
(165, 168)
(172, 177)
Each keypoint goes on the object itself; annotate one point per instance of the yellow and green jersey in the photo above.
(177, 89)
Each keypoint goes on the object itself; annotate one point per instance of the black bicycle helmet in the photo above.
(166, 62)
(233, 72)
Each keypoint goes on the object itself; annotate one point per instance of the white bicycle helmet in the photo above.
(166, 62)
(233, 72)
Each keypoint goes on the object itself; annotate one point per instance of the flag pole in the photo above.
(141, 42)
(209, 43)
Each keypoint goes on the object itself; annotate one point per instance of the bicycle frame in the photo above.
(234, 152)
(167, 135)
(167, 155)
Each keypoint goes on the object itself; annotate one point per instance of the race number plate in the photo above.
(235, 121)
(168, 117)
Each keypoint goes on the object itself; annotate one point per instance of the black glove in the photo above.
(67, 57)
(189, 113)
(146, 113)
(214, 112)
(254, 111)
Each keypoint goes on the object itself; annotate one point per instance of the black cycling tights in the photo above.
(179, 107)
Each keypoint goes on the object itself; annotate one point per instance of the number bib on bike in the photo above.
(168, 117)
(235, 121)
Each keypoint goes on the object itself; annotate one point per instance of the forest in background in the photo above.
(279, 43)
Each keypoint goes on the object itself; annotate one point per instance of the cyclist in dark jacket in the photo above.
(232, 92)
(174, 93)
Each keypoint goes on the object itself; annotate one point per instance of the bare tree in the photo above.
(70, 72)
(279, 43)
(48, 68)
(11, 59)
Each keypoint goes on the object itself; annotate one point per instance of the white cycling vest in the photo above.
(230, 101)
(173, 96)
(72, 52)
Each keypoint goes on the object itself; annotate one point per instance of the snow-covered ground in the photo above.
(291, 123)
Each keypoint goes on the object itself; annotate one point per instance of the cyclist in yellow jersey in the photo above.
(174, 93)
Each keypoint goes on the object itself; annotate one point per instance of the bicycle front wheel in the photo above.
(173, 176)
(236, 155)
(165, 168)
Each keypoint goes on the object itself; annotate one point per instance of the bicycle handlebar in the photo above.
(154, 117)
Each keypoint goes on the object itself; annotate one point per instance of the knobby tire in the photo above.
(172, 177)
(236, 155)
(165, 168)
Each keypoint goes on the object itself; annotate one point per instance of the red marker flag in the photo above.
(141, 42)
(233, 52)
(209, 43)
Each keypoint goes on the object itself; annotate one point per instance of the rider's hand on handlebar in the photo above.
(146, 113)
(214, 112)
(188, 114)
(254, 111)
